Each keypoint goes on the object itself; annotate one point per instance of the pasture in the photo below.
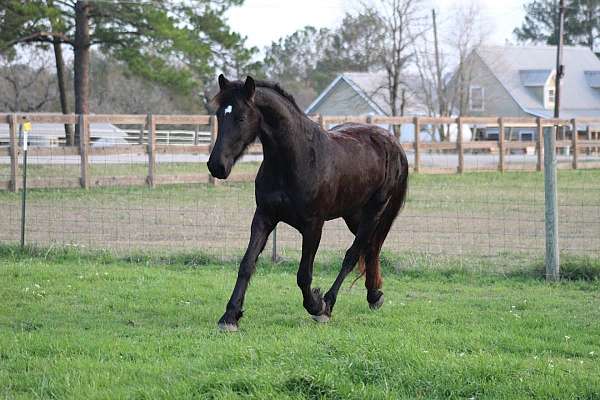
(488, 215)
(94, 325)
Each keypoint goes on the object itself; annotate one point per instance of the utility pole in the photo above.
(550, 187)
(560, 69)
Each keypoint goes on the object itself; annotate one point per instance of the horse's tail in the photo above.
(395, 204)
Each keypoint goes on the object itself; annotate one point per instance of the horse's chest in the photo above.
(276, 202)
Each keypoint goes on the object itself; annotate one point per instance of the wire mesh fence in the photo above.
(483, 219)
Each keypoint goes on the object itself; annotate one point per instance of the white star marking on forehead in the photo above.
(228, 110)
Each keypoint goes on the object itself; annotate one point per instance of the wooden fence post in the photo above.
(540, 144)
(574, 138)
(84, 146)
(322, 122)
(151, 125)
(417, 126)
(501, 151)
(459, 146)
(14, 152)
(589, 138)
(214, 131)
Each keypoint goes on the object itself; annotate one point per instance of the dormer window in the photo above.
(476, 98)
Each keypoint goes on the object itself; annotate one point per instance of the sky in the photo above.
(264, 21)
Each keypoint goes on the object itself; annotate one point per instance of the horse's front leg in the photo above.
(262, 225)
(311, 237)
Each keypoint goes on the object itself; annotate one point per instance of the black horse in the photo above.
(308, 176)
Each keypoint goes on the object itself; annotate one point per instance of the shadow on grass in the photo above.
(572, 268)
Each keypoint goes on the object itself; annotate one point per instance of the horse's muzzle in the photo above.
(218, 170)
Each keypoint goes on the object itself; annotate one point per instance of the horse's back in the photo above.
(362, 160)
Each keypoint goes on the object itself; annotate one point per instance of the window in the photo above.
(526, 136)
(476, 98)
(491, 133)
(551, 96)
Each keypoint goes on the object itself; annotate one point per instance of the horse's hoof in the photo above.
(377, 304)
(322, 319)
(225, 327)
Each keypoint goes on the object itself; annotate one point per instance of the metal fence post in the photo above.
(214, 131)
(141, 134)
(551, 207)
(151, 126)
(274, 257)
(14, 152)
(501, 150)
(459, 146)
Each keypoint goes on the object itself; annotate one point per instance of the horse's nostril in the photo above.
(217, 170)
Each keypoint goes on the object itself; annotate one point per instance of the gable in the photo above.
(497, 99)
(341, 99)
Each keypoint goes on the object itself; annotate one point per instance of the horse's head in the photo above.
(239, 123)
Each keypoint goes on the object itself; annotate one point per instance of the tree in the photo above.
(446, 71)
(403, 22)
(379, 37)
(354, 46)
(114, 89)
(294, 61)
(582, 23)
(26, 83)
(466, 37)
(176, 44)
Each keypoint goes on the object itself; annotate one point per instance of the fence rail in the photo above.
(150, 143)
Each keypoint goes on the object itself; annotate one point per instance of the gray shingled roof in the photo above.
(518, 67)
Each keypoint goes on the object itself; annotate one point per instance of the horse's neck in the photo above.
(287, 137)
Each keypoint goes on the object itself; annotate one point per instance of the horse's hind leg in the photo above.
(373, 280)
(369, 220)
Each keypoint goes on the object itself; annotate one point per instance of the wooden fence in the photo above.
(150, 148)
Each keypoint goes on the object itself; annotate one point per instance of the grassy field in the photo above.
(75, 325)
(485, 214)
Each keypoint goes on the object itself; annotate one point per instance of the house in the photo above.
(518, 81)
(365, 93)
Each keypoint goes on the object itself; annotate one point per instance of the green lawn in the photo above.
(98, 326)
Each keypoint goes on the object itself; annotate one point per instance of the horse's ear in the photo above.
(223, 82)
(249, 88)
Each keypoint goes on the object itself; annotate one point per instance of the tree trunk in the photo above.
(62, 90)
(82, 59)
(58, 26)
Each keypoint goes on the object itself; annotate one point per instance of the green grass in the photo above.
(95, 325)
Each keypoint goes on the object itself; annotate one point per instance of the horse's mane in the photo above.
(274, 86)
(280, 91)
